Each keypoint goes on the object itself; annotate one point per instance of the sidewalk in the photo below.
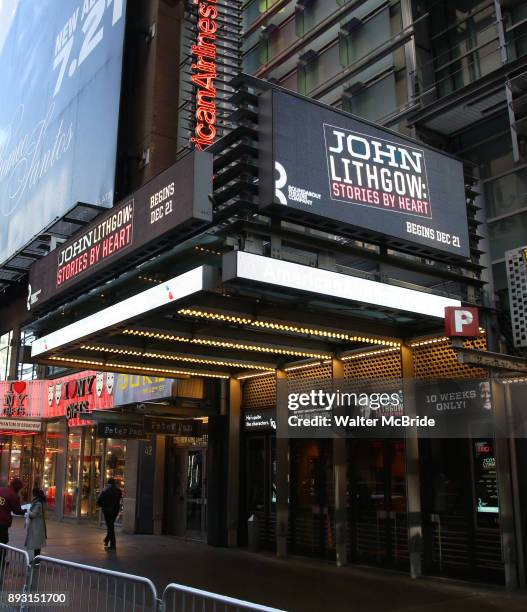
(293, 584)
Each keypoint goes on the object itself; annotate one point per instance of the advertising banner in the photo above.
(135, 388)
(485, 477)
(22, 398)
(326, 165)
(61, 63)
(175, 199)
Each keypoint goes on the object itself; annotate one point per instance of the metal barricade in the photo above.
(180, 598)
(91, 589)
(15, 574)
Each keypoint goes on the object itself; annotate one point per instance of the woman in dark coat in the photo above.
(36, 523)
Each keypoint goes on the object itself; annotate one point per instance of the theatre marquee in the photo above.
(173, 203)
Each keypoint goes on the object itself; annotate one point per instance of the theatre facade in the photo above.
(303, 248)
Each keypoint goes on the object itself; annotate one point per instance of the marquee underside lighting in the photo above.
(304, 330)
(110, 365)
(227, 344)
(227, 363)
(364, 354)
(258, 375)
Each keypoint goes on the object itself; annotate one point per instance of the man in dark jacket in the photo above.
(9, 503)
(109, 501)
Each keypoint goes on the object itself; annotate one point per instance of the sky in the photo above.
(7, 12)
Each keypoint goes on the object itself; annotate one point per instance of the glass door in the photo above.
(196, 498)
(71, 492)
(377, 502)
(91, 474)
(312, 508)
(185, 504)
(260, 486)
(115, 459)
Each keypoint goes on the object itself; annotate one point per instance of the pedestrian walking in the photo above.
(36, 523)
(109, 501)
(9, 505)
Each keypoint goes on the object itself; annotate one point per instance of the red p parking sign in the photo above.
(461, 321)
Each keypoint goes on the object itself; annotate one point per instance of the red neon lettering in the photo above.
(204, 74)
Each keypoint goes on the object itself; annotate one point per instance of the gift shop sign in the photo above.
(15, 399)
(21, 398)
(80, 394)
(174, 202)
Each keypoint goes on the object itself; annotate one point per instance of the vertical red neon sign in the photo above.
(204, 74)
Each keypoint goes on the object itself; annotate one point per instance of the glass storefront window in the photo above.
(38, 463)
(71, 492)
(114, 464)
(52, 449)
(5, 450)
(21, 464)
(91, 474)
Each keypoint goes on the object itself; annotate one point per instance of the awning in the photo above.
(266, 314)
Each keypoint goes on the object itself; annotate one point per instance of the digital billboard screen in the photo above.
(60, 69)
(322, 164)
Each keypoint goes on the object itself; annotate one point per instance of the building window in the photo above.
(26, 371)
(506, 194)
(507, 234)
(363, 37)
(5, 354)
(374, 101)
(464, 43)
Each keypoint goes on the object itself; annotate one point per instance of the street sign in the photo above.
(486, 359)
(175, 427)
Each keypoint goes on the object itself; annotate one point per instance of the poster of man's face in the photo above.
(485, 395)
